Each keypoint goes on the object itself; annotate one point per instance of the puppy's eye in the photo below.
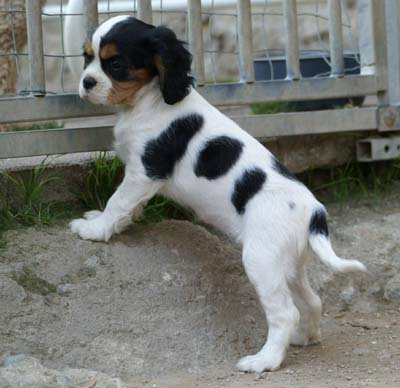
(115, 65)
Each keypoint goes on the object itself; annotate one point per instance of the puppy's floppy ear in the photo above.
(172, 62)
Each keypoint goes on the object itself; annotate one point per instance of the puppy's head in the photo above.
(124, 54)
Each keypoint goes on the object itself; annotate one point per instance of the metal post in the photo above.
(292, 40)
(196, 39)
(336, 38)
(35, 48)
(145, 11)
(245, 35)
(379, 44)
(393, 33)
(91, 16)
(366, 42)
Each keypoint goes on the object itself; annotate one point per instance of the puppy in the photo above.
(173, 142)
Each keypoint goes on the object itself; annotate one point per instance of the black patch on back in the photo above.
(318, 223)
(281, 169)
(161, 154)
(217, 157)
(246, 187)
(292, 205)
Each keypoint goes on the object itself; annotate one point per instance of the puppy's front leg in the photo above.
(100, 226)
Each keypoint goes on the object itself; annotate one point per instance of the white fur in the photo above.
(275, 238)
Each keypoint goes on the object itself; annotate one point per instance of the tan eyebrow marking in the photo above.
(109, 50)
(88, 48)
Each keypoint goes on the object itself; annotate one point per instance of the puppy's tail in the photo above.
(321, 245)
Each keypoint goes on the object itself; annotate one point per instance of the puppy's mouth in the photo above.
(84, 96)
(91, 96)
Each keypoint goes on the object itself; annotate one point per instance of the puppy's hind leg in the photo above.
(308, 331)
(266, 271)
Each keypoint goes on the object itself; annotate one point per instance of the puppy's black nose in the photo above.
(89, 83)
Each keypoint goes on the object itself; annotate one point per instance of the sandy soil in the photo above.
(168, 305)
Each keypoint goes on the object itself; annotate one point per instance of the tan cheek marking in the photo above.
(108, 51)
(125, 92)
(89, 48)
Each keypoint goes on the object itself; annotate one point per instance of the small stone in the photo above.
(360, 351)
(392, 289)
(260, 376)
(348, 378)
(347, 295)
(91, 261)
(10, 360)
(64, 289)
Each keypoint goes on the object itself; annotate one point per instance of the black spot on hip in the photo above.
(318, 223)
(281, 169)
(161, 154)
(217, 157)
(246, 187)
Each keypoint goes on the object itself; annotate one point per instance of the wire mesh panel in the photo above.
(219, 20)
(245, 52)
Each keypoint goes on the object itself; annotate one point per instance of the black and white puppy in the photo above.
(174, 142)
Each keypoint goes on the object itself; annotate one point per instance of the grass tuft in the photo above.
(160, 208)
(270, 108)
(37, 126)
(355, 179)
(104, 176)
(30, 189)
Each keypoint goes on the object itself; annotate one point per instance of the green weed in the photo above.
(30, 190)
(270, 108)
(356, 180)
(37, 126)
(104, 175)
(160, 208)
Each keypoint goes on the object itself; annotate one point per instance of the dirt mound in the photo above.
(170, 301)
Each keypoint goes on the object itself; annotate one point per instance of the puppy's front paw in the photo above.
(92, 214)
(92, 229)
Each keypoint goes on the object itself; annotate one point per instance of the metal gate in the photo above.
(380, 76)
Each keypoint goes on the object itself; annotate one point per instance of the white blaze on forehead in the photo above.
(103, 29)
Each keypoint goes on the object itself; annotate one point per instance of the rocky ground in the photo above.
(168, 305)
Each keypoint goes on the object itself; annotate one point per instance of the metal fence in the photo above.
(379, 74)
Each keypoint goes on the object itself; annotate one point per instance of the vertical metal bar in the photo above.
(292, 40)
(196, 39)
(366, 41)
(393, 33)
(380, 48)
(245, 35)
(144, 11)
(336, 38)
(35, 48)
(91, 16)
